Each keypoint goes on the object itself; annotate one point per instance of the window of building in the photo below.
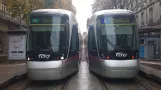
(1, 43)
(145, 2)
(3, 8)
(142, 5)
(160, 8)
(136, 17)
(150, 1)
(137, 21)
(0, 46)
(4, 2)
(151, 14)
(142, 18)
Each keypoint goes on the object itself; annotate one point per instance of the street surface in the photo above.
(85, 80)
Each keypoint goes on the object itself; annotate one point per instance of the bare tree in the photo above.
(65, 4)
(133, 5)
(102, 5)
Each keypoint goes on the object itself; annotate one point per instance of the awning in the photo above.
(3, 30)
(18, 31)
(149, 29)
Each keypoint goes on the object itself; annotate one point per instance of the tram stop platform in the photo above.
(151, 68)
(11, 72)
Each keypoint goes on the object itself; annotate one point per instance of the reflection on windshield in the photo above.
(112, 37)
(118, 29)
(48, 38)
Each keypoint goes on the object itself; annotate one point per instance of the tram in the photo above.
(52, 44)
(113, 44)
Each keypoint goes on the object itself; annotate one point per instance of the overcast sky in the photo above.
(84, 11)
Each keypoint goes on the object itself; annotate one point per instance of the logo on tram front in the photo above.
(44, 56)
(121, 54)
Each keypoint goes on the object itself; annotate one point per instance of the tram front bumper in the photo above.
(49, 70)
(121, 68)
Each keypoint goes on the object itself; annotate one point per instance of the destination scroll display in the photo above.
(42, 23)
(45, 20)
(116, 20)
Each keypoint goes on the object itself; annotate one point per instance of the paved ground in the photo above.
(152, 64)
(151, 68)
(10, 71)
(84, 80)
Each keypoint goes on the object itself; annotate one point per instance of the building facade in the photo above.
(148, 18)
(7, 23)
(149, 14)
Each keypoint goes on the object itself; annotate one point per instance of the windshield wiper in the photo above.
(110, 43)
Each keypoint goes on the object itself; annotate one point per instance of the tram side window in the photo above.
(91, 40)
(73, 45)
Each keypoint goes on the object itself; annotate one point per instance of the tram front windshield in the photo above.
(116, 32)
(47, 34)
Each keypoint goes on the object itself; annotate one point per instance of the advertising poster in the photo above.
(17, 47)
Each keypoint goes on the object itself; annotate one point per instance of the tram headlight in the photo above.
(62, 57)
(28, 58)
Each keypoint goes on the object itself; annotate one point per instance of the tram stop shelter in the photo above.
(150, 43)
(17, 44)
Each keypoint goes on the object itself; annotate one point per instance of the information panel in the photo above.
(17, 47)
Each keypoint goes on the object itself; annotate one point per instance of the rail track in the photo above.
(47, 85)
(103, 84)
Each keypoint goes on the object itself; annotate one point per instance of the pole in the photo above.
(20, 17)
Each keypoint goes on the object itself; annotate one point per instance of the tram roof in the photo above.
(114, 11)
(52, 11)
